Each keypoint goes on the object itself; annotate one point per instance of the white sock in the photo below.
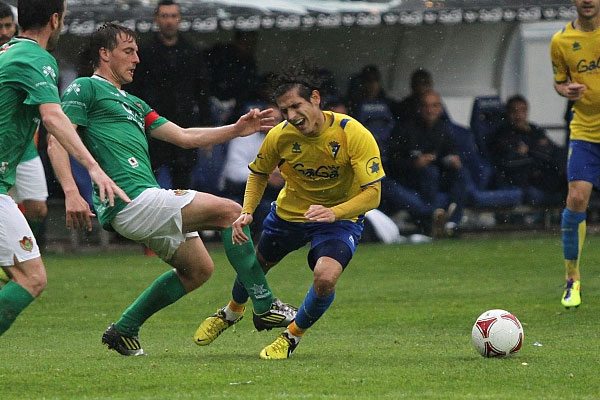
(231, 315)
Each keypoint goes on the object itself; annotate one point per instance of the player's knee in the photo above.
(230, 211)
(35, 283)
(324, 284)
(201, 273)
(576, 200)
(36, 210)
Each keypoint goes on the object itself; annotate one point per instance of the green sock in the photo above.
(14, 298)
(165, 290)
(244, 261)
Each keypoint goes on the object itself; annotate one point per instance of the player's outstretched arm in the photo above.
(78, 213)
(189, 138)
(59, 126)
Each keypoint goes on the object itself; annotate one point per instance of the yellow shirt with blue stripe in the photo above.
(576, 58)
(327, 170)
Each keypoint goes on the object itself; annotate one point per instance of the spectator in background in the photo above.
(232, 67)
(423, 156)
(420, 82)
(171, 76)
(241, 152)
(372, 107)
(522, 153)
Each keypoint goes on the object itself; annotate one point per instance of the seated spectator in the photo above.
(523, 155)
(423, 156)
(241, 152)
(420, 82)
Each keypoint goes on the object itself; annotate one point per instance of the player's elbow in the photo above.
(183, 139)
(51, 119)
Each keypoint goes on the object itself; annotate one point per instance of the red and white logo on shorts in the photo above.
(26, 243)
(179, 192)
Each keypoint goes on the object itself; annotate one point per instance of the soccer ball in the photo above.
(497, 333)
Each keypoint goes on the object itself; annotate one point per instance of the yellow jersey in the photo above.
(576, 58)
(326, 170)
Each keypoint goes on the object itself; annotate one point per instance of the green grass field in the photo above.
(400, 328)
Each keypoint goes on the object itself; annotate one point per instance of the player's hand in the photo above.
(318, 213)
(254, 121)
(575, 91)
(237, 235)
(106, 186)
(78, 212)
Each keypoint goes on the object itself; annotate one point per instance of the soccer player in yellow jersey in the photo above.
(576, 65)
(332, 170)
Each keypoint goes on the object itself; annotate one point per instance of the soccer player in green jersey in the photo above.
(332, 170)
(28, 95)
(30, 190)
(574, 53)
(115, 126)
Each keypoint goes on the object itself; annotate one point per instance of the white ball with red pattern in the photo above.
(497, 333)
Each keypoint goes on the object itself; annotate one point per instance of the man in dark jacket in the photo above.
(523, 154)
(171, 77)
(423, 156)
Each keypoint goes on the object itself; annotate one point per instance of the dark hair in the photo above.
(164, 3)
(517, 98)
(35, 14)
(106, 36)
(370, 73)
(299, 75)
(419, 77)
(5, 11)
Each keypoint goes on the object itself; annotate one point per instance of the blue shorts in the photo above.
(583, 163)
(280, 237)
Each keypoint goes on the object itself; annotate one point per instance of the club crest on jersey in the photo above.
(133, 162)
(335, 148)
(576, 46)
(3, 167)
(48, 70)
(26, 243)
(179, 192)
(73, 87)
(296, 148)
(373, 166)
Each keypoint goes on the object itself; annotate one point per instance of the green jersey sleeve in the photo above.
(151, 118)
(39, 79)
(76, 101)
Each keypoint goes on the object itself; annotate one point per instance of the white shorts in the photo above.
(30, 183)
(16, 238)
(154, 219)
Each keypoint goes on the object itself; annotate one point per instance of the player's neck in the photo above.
(587, 24)
(41, 37)
(321, 125)
(168, 41)
(107, 76)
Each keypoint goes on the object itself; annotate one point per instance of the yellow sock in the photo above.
(294, 330)
(237, 307)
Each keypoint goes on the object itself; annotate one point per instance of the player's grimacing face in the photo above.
(305, 115)
(123, 59)
(587, 8)
(7, 29)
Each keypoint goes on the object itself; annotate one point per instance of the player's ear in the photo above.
(315, 97)
(103, 52)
